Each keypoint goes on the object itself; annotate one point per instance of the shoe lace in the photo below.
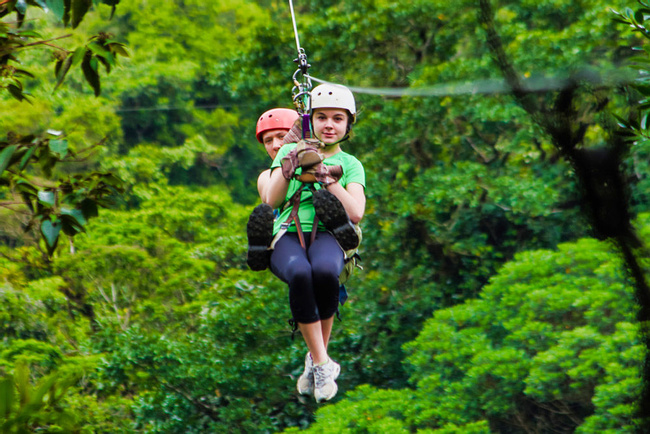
(321, 373)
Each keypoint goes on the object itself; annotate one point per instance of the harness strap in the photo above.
(294, 202)
(306, 126)
(294, 216)
(314, 229)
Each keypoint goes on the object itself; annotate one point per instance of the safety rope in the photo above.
(301, 89)
(609, 78)
(295, 32)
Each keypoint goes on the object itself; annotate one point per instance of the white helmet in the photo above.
(334, 96)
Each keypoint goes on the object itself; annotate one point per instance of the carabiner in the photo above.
(303, 65)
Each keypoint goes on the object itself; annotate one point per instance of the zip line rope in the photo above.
(295, 27)
(495, 86)
(476, 87)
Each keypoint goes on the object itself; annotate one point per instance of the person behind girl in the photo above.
(312, 272)
(271, 128)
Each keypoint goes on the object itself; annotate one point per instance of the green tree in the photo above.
(63, 205)
(49, 201)
(550, 344)
(458, 183)
(598, 167)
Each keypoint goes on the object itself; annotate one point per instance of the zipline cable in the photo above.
(295, 27)
(611, 78)
(495, 86)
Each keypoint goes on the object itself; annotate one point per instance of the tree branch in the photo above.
(33, 44)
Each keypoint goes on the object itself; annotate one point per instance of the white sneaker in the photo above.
(325, 387)
(306, 380)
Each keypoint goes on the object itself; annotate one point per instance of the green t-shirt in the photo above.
(352, 172)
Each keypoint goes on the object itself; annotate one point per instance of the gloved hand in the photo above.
(289, 164)
(294, 135)
(306, 154)
(323, 174)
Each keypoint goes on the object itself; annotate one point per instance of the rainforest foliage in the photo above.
(492, 297)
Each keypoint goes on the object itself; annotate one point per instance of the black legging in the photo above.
(312, 275)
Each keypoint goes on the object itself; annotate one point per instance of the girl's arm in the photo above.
(276, 190)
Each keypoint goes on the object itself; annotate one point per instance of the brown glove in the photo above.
(323, 174)
(294, 135)
(306, 154)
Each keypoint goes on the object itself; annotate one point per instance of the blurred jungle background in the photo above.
(504, 269)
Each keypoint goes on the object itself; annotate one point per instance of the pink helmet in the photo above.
(274, 119)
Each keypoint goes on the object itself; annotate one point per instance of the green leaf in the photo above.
(78, 55)
(50, 232)
(57, 7)
(23, 72)
(644, 121)
(73, 221)
(46, 197)
(29, 34)
(21, 6)
(79, 9)
(107, 61)
(620, 20)
(6, 396)
(638, 16)
(75, 214)
(62, 68)
(17, 92)
(638, 59)
(21, 380)
(118, 48)
(28, 155)
(5, 157)
(98, 49)
(623, 123)
(89, 208)
(57, 67)
(91, 75)
(59, 147)
(111, 179)
(20, 18)
(66, 11)
(25, 187)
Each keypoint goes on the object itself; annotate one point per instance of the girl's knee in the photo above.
(300, 276)
(325, 272)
